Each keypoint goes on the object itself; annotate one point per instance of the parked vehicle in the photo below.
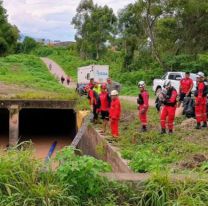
(99, 73)
(175, 78)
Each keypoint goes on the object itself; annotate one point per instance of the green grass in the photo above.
(132, 90)
(29, 71)
(150, 151)
(27, 181)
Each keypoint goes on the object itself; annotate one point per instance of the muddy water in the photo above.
(4, 140)
(42, 144)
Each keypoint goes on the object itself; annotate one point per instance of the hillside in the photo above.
(26, 77)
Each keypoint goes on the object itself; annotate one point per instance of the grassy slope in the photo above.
(151, 151)
(30, 72)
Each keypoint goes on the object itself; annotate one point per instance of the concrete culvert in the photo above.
(4, 127)
(44, 126)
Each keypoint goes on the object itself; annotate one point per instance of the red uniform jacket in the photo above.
(143, 99)
(92, 96)
(115, 109)
(200, 98)
(91, 85)
(171, 97)
(104, 101)
(186, 84)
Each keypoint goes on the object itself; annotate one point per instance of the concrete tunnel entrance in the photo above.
(44, 126)
(4, 127)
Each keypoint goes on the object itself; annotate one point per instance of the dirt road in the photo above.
(57, 71)
(134, 100)
(131, 99)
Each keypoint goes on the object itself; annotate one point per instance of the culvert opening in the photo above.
(45, 126)
(4, 127)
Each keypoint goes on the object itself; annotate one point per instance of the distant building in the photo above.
(62, 43)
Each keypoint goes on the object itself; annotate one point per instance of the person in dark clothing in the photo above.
(62, 79)
(68, 80)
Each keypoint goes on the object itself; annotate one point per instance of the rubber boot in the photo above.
(204, 124)
(170, 131)
(198, 126)
(163, 131)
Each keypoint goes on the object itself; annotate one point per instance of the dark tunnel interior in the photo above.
(44, 127)
(4, 127)
(59, 122)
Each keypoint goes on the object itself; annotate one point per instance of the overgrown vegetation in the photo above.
(30, 73)
(26, 181)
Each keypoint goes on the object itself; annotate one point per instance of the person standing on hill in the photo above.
(143, 102)
(104, 106)
(186, 85)
(115, 112)
(169, 108)
(62, 79)
(200, 101)
(68, 80)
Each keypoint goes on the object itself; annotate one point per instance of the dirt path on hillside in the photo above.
(57, 71)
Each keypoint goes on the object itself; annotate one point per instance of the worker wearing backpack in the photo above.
(201, 101)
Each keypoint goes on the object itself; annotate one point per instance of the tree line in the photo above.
(151, 30)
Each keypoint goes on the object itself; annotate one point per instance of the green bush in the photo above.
(82, 174)
(43, 51)
(24, 182)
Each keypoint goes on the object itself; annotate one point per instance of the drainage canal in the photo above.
(44, 126)
(4, 127)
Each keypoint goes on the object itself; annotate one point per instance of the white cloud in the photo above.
(49, 18)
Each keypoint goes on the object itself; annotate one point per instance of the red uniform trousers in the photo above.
(201, 110)
(143, 115)
(114, 127)
(167, 112)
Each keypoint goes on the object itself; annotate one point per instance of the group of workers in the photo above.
(105, 101)
(167, 101)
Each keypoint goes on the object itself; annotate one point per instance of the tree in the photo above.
(8, 33)
(95, 26)
(131, 31)
(28, 45)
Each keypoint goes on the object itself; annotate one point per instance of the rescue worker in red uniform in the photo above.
(200, 101)
(104, 106)
(115, 112)
(169, 107)
(93, 101)
(186, 85)
(91, 83)
(143, 102)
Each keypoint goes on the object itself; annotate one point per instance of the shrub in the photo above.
(81, 173)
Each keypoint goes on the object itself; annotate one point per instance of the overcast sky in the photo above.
(49, 19)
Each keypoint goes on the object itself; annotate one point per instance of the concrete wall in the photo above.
(90, 142)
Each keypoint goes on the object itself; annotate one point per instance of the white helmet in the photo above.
(167, 83)
(200, 74)
(114, 93)
(141, 84)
